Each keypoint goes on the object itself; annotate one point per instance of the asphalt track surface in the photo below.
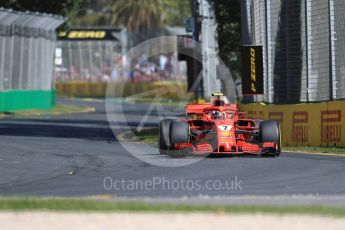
(78, 155)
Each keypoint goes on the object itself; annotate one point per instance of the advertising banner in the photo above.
(252, 70)
(89, 34)
(316, 124)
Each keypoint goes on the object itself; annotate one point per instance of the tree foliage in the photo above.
(61, 7)
(92, 13)
(228, 15)
(139, 15)
(177, 11)
(110, 12)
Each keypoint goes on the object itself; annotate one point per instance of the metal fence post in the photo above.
(332, 70)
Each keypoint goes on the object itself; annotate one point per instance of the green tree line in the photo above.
(62, 7)
(141, 15)
(133, 14)
(228, 15)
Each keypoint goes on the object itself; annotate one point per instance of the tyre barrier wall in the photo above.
(316, 124)
(169, 90)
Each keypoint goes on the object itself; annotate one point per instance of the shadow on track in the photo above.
(57, 131)
(93, 122)
(215, 156)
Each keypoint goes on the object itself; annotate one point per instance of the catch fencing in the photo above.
(90, 54)
(303, 48)
(27, 44)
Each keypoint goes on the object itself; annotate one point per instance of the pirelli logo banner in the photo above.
(89, 34)
(314, 124)
(252, 70)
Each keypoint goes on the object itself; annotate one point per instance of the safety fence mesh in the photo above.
(304, 48)
(27, 44)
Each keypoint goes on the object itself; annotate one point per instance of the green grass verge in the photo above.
(87, 205)
(57, 110)
(150, 136)
(336, 150)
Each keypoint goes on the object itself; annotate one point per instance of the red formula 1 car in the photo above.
(218, 128)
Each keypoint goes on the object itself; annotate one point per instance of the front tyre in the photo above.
(270, 152)
(270, 132)
(178, 134)
(163, 136)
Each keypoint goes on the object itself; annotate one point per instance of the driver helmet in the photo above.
(216, 114)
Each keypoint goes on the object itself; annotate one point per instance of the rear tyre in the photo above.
(270, 132)
(163, 136)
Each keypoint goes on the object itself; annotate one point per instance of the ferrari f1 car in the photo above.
(218, 128)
